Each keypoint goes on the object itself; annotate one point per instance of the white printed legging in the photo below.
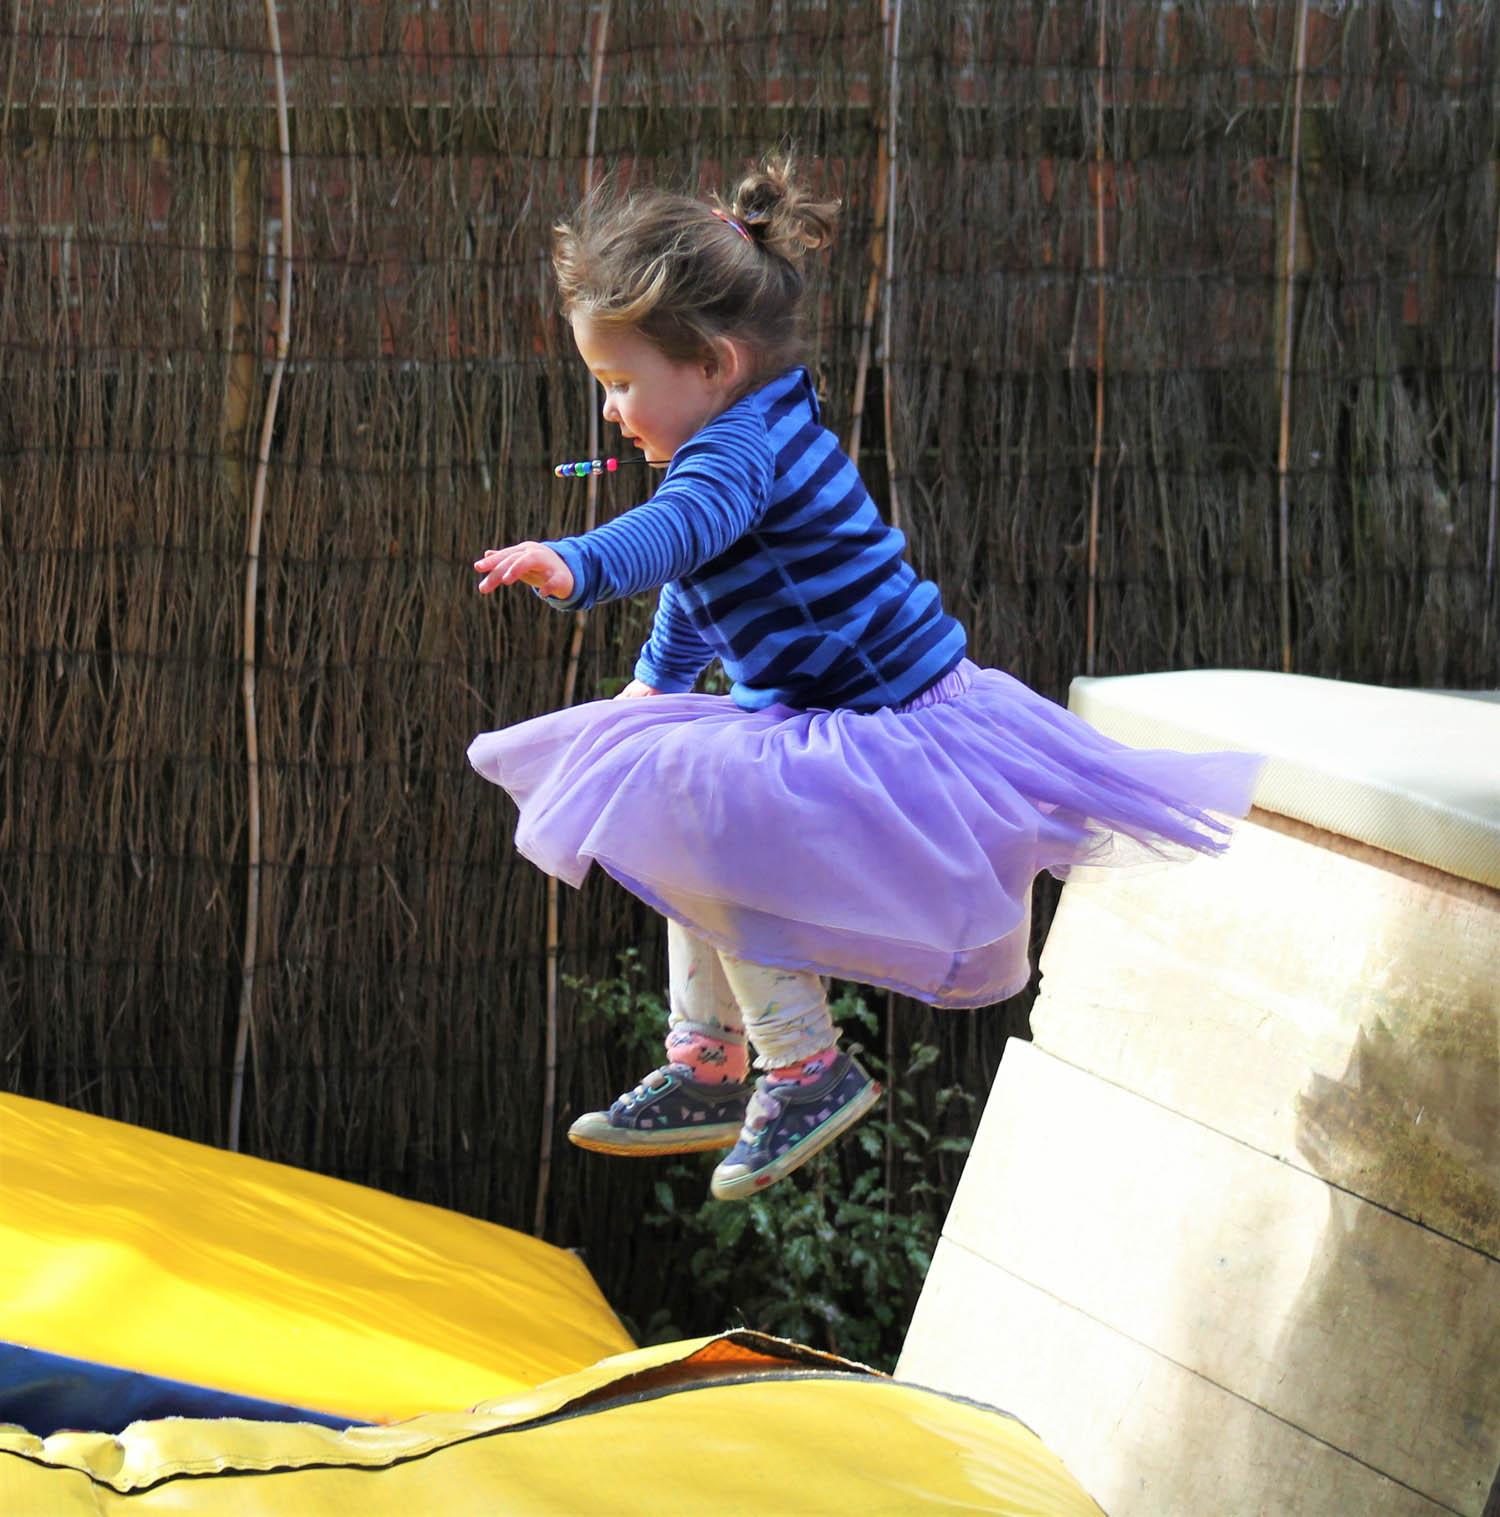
(719, 1001)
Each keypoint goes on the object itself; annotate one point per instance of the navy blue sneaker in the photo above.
(669, 1112)
(786, 1124)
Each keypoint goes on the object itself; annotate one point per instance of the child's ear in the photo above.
(727, 362)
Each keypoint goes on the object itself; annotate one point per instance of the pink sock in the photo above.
(711, 1060)
(804, 1071)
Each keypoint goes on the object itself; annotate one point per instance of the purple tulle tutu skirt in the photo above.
(896, 848)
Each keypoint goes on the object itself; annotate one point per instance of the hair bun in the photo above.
(780, 214)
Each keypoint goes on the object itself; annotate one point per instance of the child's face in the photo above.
(657, 402)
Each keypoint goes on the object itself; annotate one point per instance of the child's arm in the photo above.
(675, 654)
(717, 488)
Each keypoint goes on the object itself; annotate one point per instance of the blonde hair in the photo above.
(670, 268)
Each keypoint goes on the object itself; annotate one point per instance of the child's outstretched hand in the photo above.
(637, 687)
(527, 564)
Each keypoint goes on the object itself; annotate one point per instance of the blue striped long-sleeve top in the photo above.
(771, 557)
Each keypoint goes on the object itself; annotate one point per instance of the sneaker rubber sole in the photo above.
(752, 1182)
(594, 1132)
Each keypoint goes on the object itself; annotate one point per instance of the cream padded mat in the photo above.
(1414, 772)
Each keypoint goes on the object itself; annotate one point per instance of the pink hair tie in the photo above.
(729, 220)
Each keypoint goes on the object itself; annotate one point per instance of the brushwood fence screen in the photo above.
(1186, 353)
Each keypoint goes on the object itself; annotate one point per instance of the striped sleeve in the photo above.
(675, 653)
(716, 489)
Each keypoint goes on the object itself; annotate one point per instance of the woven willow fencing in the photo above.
(1175, 332)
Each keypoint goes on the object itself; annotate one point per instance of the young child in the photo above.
(866, 803)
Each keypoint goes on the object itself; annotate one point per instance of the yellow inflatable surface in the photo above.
(733, 1424)
(125, 1249)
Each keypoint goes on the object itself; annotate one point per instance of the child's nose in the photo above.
(611, 410)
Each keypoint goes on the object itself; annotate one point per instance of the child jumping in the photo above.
(865, 803)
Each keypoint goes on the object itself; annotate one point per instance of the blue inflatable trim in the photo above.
(45, 1393)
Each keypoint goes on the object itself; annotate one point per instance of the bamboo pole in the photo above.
(878, 246)
(1090, 635)
(10, 74)
(252, 581)
(570, 687)
(1288, 295)
(891, 28)
(1488, 620)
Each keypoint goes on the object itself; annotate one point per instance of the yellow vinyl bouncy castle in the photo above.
(191, 1331)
